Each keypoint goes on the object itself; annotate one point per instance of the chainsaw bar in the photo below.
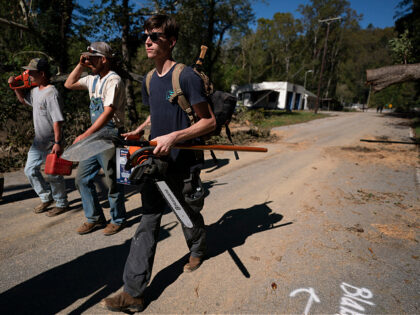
(174, 203)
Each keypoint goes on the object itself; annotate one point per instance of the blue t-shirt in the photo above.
(167, 117)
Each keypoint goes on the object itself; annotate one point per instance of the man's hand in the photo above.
(79, 138)
(10, 80)
(164, 144)
(135, 134)
(57, 149)
(84, 61)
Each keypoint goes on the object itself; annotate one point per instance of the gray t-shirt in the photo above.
(47, 109)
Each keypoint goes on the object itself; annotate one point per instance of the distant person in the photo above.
(48, 120)
(107, 105)
(379, 108)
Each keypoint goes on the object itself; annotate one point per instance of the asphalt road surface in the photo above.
(322, 223)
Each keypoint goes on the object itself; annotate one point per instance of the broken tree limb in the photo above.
(381, 78)
(18, 25)
(389, 141)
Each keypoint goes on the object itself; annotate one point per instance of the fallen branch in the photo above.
(381, 78)
(389, 141)
(18, 25)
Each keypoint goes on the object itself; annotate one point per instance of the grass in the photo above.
(275, 118)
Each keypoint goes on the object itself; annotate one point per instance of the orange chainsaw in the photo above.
(22, 81)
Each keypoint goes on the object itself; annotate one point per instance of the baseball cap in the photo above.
(37, 64)
(101, 49)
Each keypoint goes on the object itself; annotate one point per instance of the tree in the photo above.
(409, 22)
(315, 35)
(406, 25)
(208, 22)
(119, 23)
(402, 48)
(32, 29)
(362, 49)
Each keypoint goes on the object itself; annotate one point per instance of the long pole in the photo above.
(214, 147)
(328, 21)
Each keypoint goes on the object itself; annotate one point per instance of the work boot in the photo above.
(193, 264)
(43, 206)
(56, 211)
(88, 227)
(112, 228)
(123, 302)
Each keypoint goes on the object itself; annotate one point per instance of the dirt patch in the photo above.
(298, 146)
(390, 155)
(398, 231)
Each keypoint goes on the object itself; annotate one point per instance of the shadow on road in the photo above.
(230, 231)
(210, 166)
(98, 274)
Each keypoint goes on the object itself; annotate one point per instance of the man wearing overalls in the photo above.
(107, 104)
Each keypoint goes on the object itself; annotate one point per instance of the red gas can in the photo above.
(55, 165)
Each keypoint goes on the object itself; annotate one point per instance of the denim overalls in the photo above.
(96, 103)
(89, 168)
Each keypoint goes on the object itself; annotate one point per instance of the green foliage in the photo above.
(208, 22)
(402, 96)
(409, 23)
(364, 49)
(402, 48)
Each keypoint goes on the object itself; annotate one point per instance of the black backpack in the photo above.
(222, 103)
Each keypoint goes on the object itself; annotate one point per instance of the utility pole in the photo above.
(328, 21)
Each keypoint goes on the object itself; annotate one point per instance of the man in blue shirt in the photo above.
(169, 126)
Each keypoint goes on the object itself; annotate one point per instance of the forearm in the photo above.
(200, 128)
(20, 96)
(57, 131)
(73, 78)
(57, 149)
(143, 125)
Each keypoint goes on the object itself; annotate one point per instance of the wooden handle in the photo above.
(216, 147)
(202, 55)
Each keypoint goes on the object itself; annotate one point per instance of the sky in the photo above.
(380, 13)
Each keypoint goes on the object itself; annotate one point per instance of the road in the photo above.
(322, 223)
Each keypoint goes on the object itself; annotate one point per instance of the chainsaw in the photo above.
(22, 81)
(147, 168)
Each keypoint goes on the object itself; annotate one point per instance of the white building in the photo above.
(274, 95)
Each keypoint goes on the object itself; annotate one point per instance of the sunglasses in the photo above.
(154, 36)
(94, 51)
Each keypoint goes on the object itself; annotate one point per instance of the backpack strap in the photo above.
(148, 79)
(178, 95)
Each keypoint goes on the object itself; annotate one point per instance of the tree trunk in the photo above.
(210, 36)
(381, 78)
(131, 105)
(66, 13)
(18, 25)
